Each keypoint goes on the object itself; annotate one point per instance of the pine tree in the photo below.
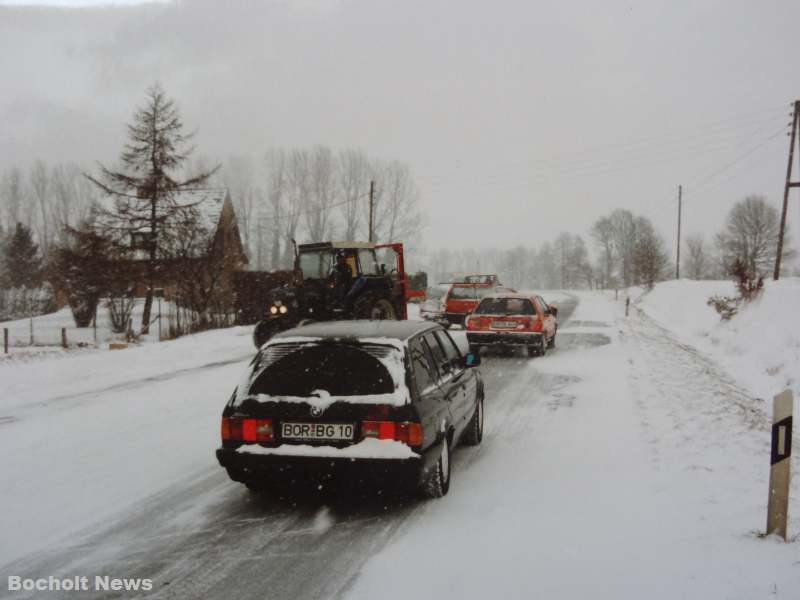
(145, 190)
(21, 261)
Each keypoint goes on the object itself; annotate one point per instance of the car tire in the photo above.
(374, 308)
(552, 343)
(532, 351)
(474, 433)
(475, 349)
(437, 482)
(542, 348)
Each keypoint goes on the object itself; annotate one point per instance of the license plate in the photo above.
(317, 431)
(504, 324)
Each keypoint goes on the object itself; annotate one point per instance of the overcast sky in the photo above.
(519, 119)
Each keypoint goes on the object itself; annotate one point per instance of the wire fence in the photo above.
(58, 330)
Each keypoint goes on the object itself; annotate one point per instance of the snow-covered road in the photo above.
(622, 465)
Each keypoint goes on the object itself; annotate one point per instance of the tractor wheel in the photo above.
(374, 308)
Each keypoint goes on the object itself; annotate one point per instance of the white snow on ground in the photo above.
(759, 347)
(644, 475)
(89, 434)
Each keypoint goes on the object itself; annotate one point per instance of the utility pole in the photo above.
(678, 261)
(371, 211)
(789, 184)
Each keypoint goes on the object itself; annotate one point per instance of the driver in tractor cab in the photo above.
(341, 277)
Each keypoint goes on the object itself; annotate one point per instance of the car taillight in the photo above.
(247, 430)
(408, 433)
(537, 324)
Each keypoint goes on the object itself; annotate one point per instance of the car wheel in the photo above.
(374, 308)
(542, 345)
(475, 349)
(532, 351)
(552, 343)
(474, 433)
(437, 483)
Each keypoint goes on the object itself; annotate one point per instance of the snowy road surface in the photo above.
(622, 465)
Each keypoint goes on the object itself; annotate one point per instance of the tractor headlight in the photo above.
(283, 310)
(273, 310)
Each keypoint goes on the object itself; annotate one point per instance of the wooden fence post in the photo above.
(63, 337)
(5, 340)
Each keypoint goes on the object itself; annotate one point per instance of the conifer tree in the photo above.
(145, 189)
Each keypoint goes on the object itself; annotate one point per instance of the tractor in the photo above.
(377, 291)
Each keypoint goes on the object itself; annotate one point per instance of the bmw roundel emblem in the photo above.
(316, 411)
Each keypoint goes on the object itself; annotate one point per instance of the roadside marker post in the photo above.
(780, 464)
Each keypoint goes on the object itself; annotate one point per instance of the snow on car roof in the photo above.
(358, 330)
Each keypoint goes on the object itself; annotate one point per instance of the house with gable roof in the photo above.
(202, 227)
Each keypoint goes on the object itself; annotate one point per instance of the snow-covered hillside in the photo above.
(760, 346)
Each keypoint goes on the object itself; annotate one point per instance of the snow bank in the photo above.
(760, 346)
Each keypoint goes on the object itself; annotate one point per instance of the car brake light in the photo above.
(247, 430)
(408, 433)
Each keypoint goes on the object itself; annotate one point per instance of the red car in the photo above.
(513, 320)
(463, 296)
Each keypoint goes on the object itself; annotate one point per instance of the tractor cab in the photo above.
(316, 262)
(376, 290)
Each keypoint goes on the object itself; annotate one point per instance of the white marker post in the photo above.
(780, 464)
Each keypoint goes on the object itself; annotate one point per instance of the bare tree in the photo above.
(354, 174)
(144, 190)
(650, 258)
(603, 235)
(397, 216)
(277, 192)
(13, 195)
(40, 187)
(623, 226)
(750, 234)
(698, 262)
(322, 192)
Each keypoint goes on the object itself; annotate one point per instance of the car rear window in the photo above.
(470, 292)
(505, 306)
(339, 369)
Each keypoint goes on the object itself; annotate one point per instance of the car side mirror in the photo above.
(472, 360)
(554, 311)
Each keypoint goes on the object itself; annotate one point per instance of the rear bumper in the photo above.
(245, 467)
(503, 338)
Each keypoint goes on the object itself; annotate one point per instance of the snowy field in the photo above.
(631, 462)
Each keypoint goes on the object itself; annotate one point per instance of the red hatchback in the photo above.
(509, 320)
